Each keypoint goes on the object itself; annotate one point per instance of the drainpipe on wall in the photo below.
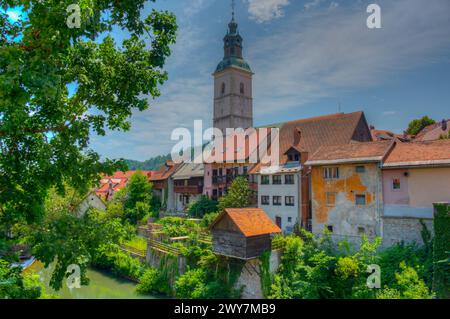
(380, 200)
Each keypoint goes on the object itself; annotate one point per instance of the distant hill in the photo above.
(152, 164)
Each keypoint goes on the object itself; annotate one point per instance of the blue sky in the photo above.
(308, 56)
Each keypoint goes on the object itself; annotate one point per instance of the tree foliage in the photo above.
(313, 269)
(202, 207)
(16, 285)
(415, 126)
(238, 195)
(44, 128)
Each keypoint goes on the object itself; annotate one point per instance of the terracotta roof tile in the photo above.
(166, 171)
(250, 221)
(352, 152)
(308, 135)
(419, 154)
(433, 131)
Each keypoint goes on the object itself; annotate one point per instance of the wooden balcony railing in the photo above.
(189, 189)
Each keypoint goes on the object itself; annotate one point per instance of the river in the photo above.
(102, 286)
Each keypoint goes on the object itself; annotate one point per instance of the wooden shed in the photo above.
(243, 233)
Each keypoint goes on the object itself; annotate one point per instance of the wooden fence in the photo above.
(165, 248)
(134, 251)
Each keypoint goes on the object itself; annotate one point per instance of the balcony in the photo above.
(227, 179)
(189, 189)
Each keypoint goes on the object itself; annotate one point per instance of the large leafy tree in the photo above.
(44, 129)
(59, 85)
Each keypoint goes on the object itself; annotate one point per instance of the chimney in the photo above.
(372, 127)
(444, 125)
(297, 136)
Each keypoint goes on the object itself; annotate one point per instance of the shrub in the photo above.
(441, 248)
(149, 282)
(137, 213)
(408, 285)
(203, 206)
(191, 285)
(208, 219)
(413, 255)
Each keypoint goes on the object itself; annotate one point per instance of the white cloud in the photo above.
(319, 54)
(312, 4)
(266, 10)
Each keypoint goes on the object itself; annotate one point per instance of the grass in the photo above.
(137, 242)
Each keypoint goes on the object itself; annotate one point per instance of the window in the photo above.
(360, 169)
(289, 201)
(289, 179)
(242, 88)
(265, 179)
(330, 199)
(331, 173)
(293, 157)
(361, 230)
(360, 199)
(330, 228)
(223, 89)
(289, 219)
(276, 180)
(245, 170)
(276, 200)
(265, 200)
(396, 185)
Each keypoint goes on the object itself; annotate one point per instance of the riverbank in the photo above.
(103, 285)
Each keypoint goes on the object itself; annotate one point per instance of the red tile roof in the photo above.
(231, 149)
(355, 152)
(429, 153)
(165, 171)
(250, 221)
(308, 135)
(118, 181)
(433, 131)
(382, 135)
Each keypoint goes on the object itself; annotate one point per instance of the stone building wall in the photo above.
(250, 278)
(407, 229)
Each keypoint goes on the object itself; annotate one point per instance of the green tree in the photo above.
(138, 189)
(238, 195)
(202, 207)
(16, 285)
(418, 125)
(57, 85)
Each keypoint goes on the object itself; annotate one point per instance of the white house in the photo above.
(92, 200)
(279, 194)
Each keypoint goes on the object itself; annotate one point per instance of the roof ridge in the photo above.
(323, 117)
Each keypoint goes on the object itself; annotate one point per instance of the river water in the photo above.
(102, 286)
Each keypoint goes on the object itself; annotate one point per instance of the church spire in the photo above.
(233, 45)
(232, 10)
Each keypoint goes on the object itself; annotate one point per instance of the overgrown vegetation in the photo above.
(201, 207)
(45, 130)
(317, 269)
(441, 251)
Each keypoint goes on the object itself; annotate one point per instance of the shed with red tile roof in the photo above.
(243, 233)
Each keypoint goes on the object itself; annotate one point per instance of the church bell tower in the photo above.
(233, 101)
